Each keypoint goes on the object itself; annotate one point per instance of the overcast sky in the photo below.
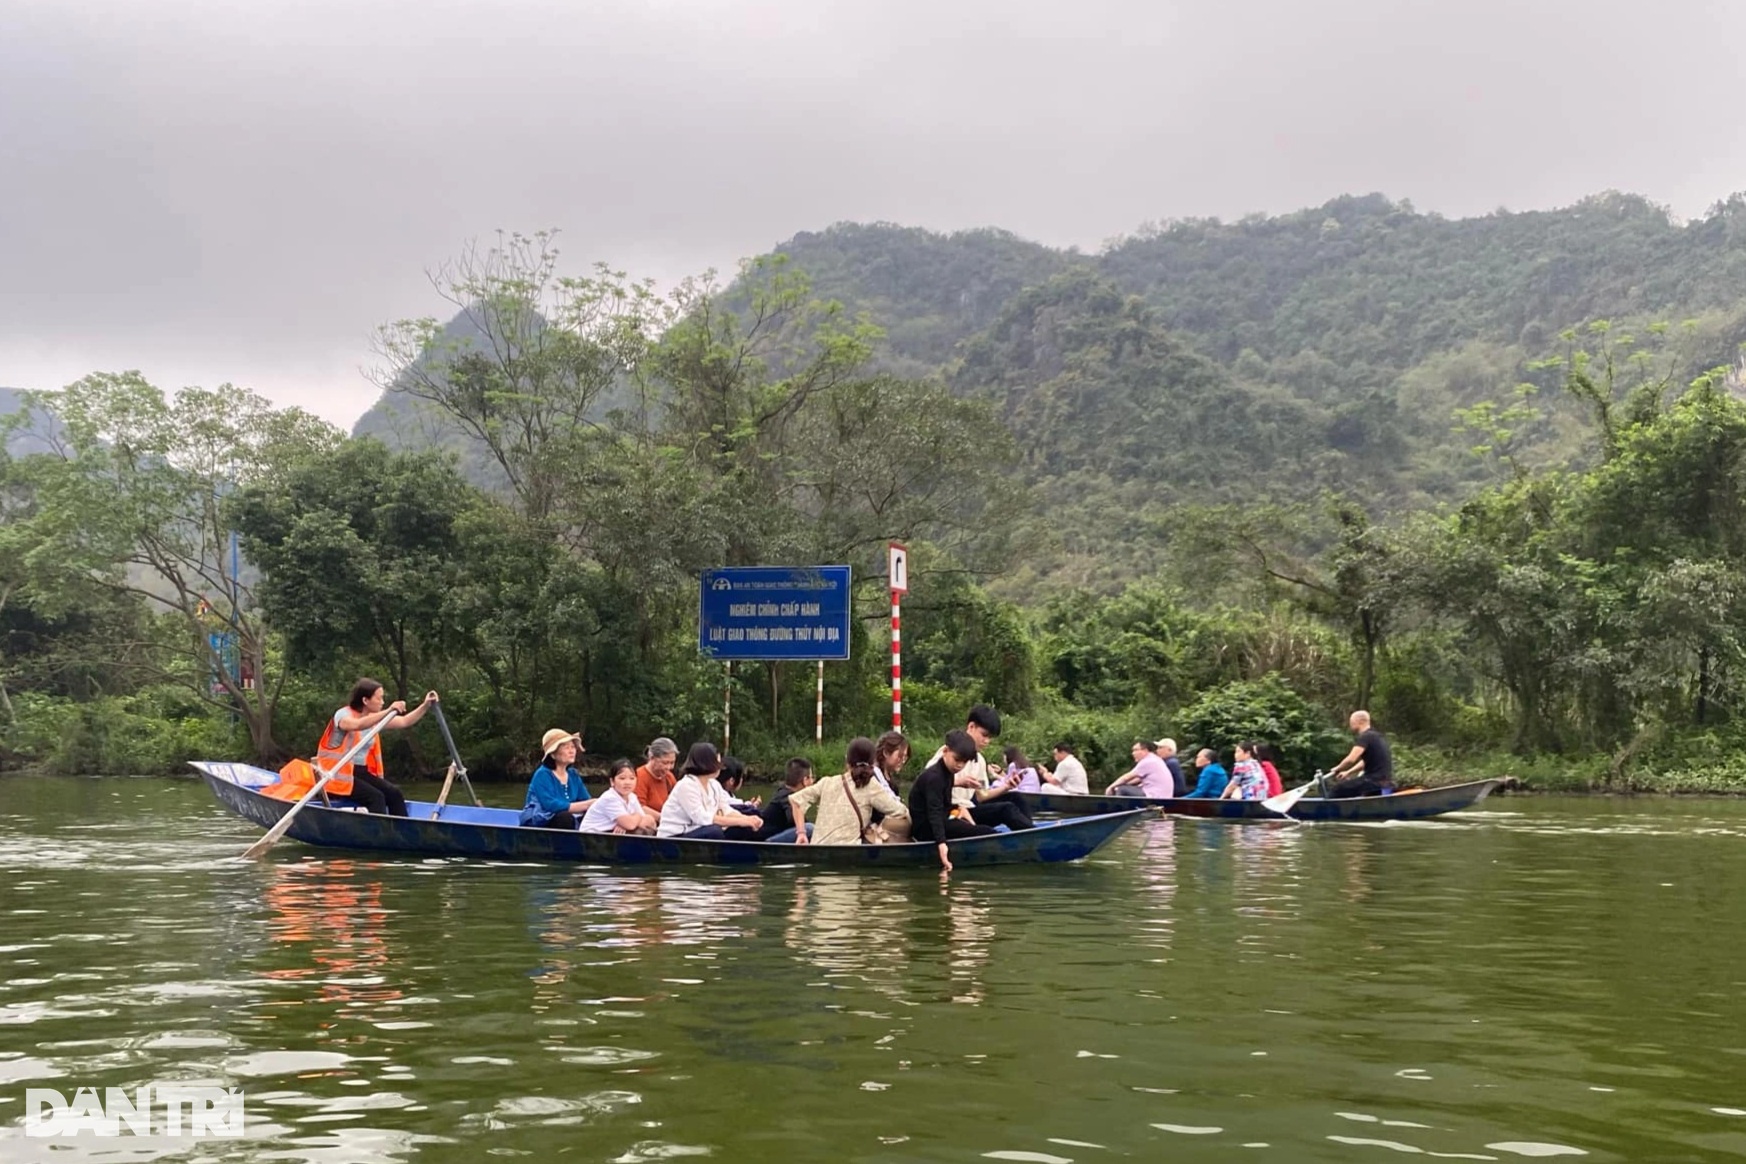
(242, 190)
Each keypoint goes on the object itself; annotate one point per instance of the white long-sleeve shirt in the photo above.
(692, 804)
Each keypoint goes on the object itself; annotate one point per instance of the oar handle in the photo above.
(456, 767)
(443, 726)
(351, 753)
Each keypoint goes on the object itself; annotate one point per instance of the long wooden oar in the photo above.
(456, 768)
(278, 830)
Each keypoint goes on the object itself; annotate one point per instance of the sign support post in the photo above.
(773, 614)
(818, 732)
(897, 572)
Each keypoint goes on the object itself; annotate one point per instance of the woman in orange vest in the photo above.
(365, 783)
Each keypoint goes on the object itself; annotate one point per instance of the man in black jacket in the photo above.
(778, 825)
(930, 798)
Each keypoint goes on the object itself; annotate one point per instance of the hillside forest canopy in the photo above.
(1485, 477)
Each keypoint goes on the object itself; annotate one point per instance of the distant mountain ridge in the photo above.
(1276, 355)
(26, 442)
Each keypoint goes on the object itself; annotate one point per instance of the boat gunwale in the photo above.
(1337, 809)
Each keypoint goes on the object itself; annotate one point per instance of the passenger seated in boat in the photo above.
(1213, 776)
(972, 794)
(1269, 757)
(556, 801)
(1020, 772)
(1069, 774)
(616, 810)
(1148, 777)
(846, 803)
(933, 817)
(365, 782)
(778, 826)
(1165, 750)
(698, 809)
(1248, 781)
(655, 779)
(890, 754)
(732, 779)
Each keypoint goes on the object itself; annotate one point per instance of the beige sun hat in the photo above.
(550, 741)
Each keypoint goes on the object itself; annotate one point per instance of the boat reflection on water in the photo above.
(334, 910)
(1155, 881)
(852, 931)
(1265, 865)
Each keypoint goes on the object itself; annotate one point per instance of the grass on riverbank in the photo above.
(1433, 767)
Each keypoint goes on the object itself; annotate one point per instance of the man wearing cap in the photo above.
(655, 779)
(1165, 750)
(556, 801)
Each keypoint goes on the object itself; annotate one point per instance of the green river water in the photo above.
(1548, 977)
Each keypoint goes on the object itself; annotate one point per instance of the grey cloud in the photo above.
(216, 191)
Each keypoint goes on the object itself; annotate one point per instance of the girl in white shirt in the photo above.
(616, 810)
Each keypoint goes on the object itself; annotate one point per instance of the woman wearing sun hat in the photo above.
(554, 801)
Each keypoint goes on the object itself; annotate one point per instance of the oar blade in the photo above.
(1283, 803)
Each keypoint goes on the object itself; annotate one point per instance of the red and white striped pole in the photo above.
(818, 731)
(897, 569)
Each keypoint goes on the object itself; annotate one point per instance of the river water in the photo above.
(1546, 978)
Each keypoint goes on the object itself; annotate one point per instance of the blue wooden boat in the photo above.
(1411, 805)
(467, 831)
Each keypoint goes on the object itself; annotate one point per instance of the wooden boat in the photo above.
(494, 833)
(1412, 805)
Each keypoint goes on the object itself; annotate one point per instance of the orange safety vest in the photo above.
(334, 745)
(295, 779)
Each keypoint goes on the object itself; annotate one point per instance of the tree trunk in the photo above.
(5, 699)
(1367, 661)
(1703, 686)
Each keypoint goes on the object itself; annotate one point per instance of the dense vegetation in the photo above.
(1217, 479)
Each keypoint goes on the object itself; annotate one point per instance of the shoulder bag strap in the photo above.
(860, 821)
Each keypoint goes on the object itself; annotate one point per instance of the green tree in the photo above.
(134, 500)
(359, 551)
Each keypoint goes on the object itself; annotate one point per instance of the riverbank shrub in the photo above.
(1263, 710)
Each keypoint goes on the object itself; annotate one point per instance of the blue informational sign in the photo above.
(774, 612)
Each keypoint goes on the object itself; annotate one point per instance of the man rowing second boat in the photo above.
(1369, 758)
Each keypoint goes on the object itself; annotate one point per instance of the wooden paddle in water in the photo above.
(278, 830)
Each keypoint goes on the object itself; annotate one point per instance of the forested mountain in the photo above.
(1273, 357)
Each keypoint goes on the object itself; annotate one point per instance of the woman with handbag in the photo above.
(846, 803)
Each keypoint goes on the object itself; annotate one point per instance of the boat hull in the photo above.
(494, 834)
(1415, 805)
